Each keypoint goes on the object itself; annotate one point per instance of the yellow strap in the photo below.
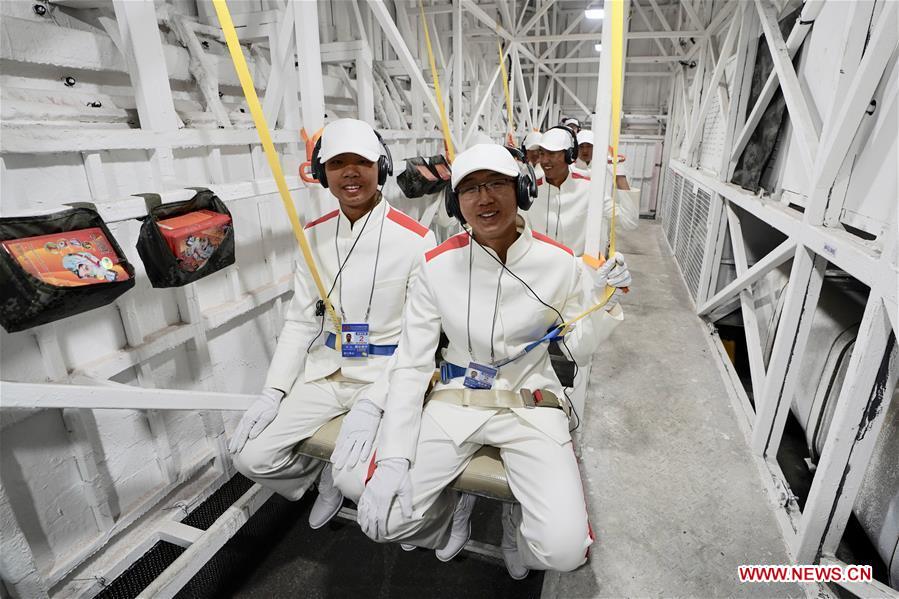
(249, 90)
(502, 65)
(617, 23)
(444, 122)
(617, 81)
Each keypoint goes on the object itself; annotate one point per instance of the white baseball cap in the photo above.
(532, 140)
(483, 157)
(585, 136)
(571, 121)
(555, 140)
(350, 136)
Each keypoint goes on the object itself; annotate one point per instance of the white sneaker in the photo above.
(406, 547)
(328, 502)
(461, 529)
(511, 555)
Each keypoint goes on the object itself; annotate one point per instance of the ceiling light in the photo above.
(597, 47)
(594, 12)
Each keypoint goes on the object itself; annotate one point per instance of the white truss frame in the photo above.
(814, 533)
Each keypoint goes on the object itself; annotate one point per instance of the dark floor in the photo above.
(285, 558)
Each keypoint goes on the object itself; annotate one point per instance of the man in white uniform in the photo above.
(366, 253)
(531, 147)
(493, 289)
(585, 159)
(560, 210)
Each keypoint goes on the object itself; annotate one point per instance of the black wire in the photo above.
(561, 320)
(321, 327)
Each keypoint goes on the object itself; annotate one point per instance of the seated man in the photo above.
(368, 251)
(560, 209)
(585, 159)
(493, 289)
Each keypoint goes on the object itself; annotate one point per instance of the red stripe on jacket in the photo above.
(551, 241)
(407, 222)
(454, 242)
(322, 219)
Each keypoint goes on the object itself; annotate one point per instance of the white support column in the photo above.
(309, 80)
(458, 69)
(365, 83)
(602, 127)
(142, 48)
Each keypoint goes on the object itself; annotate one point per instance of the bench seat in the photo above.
(484, 476)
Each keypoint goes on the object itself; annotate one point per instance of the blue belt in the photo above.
(373, 350)
(449, 372)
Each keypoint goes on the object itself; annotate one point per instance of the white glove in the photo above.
(613, 273)
(256, 418)
(357, 434)
(391, 479)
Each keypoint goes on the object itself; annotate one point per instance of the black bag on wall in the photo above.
(27, 301)
(163, 268)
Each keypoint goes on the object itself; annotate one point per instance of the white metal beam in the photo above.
(797, 104)
(484, 18)
(698, 120)
(413, 69)
(118, 397)
(636, 35)
(547, 4)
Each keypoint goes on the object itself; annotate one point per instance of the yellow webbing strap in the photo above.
(617, 23)
(444, 122)
(502, 66)
(246, 82)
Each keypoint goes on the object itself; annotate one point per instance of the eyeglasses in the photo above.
(493, 188)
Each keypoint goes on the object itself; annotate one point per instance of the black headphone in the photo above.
(571, 152)
(385, 163)
(525, 192)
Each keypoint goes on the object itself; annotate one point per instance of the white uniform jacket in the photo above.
(561, 212)
(402, 241)
(501, 305)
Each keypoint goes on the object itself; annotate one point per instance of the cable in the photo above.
(559, 314)
(321, 328)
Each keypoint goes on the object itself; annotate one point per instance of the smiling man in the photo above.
(366, 252)
(560, 209)
(493, 290)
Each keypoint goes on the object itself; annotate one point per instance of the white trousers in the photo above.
(544, 477)
(271, 458)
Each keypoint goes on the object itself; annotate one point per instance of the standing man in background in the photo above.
(367, 252)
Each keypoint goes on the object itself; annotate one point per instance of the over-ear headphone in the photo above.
(571, 152)
(525, 192)
(385, 163)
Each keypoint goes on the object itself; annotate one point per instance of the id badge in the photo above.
(354, 340)
(479, 376)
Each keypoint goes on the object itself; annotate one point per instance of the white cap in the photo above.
(532, 141)
(571, 121)
(350, 136)
(585, 136)
(556, 139)
(483, 157)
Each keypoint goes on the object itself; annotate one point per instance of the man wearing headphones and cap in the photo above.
(585, 158)
(572, 123)
(560, 209)
(366, 252)
(531, 147)
(494, 290)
